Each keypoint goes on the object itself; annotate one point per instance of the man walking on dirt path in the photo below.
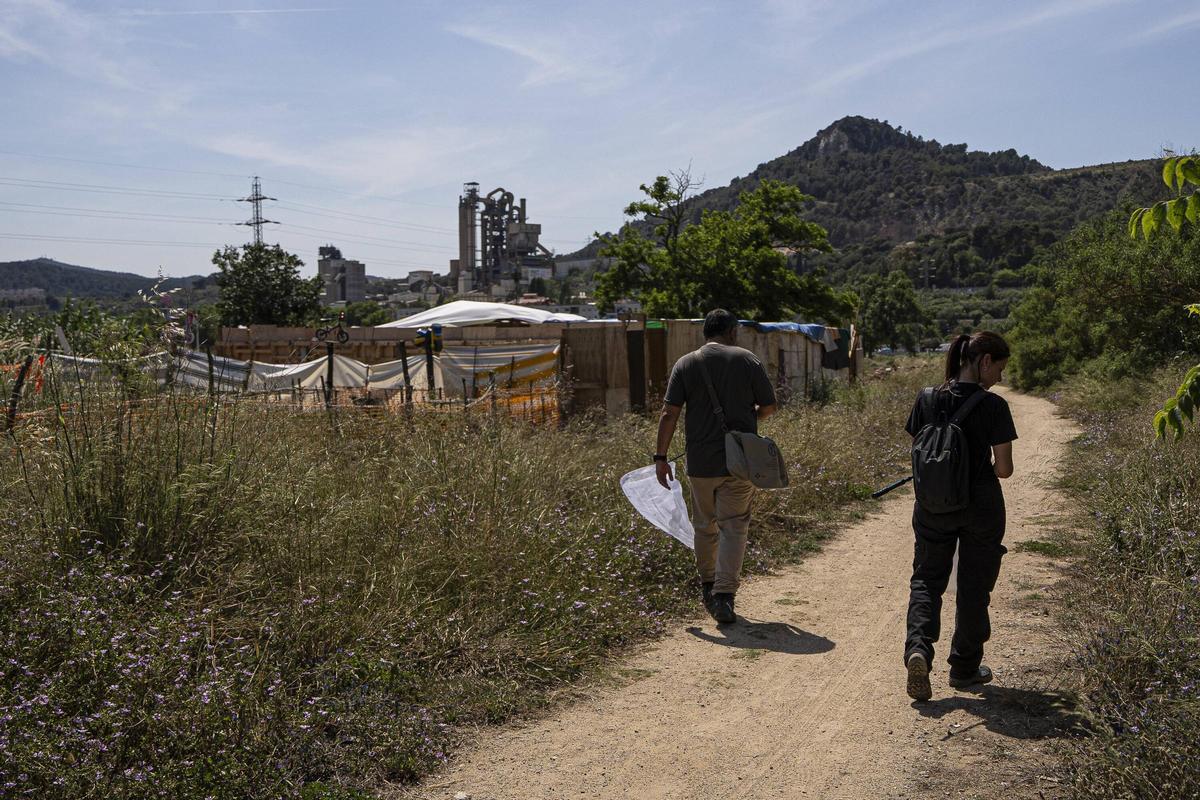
(720, 502)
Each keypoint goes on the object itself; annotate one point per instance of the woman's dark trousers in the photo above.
(977, 532)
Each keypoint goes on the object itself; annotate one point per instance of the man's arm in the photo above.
(765, 411)
(666, 431)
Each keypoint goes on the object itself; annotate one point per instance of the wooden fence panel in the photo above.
(586, 359)
(616, 358)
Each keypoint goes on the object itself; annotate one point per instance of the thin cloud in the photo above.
(65, 38)
(379, 162)
(14, 47)
(937, 40)
(555, 59)
(1171, 26)
(218, 12)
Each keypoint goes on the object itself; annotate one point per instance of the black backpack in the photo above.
(940, 457)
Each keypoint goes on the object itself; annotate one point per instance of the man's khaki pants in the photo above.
(721, 517)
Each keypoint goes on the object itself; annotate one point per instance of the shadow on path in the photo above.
(777, 637)
(1016, 713)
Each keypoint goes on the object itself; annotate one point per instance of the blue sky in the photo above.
(129, 127)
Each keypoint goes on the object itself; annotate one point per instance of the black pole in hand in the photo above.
(878, 493)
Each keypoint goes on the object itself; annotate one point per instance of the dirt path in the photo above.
(804, 697)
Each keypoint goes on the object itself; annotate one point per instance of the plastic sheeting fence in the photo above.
(457, 371)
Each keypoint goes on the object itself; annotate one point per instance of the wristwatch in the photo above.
(660, 456)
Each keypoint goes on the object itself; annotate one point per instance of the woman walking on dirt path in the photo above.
(973, 365)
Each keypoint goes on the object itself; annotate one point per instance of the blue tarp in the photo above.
(809, 329)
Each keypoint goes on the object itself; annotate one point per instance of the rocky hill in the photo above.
(877, 187)
(871, 180)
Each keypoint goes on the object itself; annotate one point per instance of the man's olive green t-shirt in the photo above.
(741, 384)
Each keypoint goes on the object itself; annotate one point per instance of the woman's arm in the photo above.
(1002, 460)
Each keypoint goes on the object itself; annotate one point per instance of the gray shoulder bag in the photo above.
(747, 455)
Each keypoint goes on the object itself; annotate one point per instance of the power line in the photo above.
(26, 183)
(220, 175)
(351, 217)
(139, 217)
(150, 243)
(353, 237)
(343, 239)
(327, 189)
(124, 166)
(97, 240)
(101, 213)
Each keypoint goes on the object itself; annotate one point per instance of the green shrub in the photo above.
(1102, 295)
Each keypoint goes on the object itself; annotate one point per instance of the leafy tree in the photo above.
(890, 313)
(651, 269)
(261, 285)
(1180, 174)
(1107, 302)
(739, 259)
(538, 286)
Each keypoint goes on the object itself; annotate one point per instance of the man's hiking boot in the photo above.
(709, 604)
(723, 608)
(982, 675)
(918, 676)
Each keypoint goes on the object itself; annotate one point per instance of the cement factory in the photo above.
(498, 248)
(499, 257)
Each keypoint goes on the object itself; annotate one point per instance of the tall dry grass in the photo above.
(1135, 614)
(237, 600)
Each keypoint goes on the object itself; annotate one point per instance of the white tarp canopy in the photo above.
(470, 312)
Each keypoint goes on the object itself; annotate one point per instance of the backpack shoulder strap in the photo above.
(712, 392)
(929, 409)
(968, 406)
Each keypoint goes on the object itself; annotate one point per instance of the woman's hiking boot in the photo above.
(918, 676)
(723, 608)
(980, 676)
(709, 604)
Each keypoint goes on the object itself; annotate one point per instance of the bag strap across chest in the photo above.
(712, 392)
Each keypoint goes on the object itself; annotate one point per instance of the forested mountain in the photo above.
(948, 215)
(872, 180)
(56, 281)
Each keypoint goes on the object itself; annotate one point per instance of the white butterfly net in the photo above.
(665, 509)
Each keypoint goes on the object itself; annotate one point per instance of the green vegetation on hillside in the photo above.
(871, 180)
(65, 281)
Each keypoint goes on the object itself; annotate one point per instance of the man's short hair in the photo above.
(718, 322)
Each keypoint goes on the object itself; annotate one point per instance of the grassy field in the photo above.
(244, 601)
(1135, 610)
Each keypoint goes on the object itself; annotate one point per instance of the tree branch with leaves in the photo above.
(1181, 174)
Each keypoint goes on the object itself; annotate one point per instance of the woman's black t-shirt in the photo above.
(990, 423)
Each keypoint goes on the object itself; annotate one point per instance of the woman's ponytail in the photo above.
(954, 358)
(967, 349)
